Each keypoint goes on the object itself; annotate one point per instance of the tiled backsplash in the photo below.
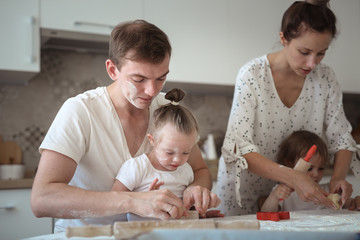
(26, 112)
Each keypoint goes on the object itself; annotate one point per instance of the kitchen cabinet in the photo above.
(16, 218)
(20, 40)
(212, 39)
(88, 16)
(198, 32)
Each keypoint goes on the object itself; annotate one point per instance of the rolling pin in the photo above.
(126, 230)
(303, 164)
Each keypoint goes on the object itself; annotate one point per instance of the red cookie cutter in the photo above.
(273, 216)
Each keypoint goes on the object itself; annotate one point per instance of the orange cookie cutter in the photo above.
(273, 216)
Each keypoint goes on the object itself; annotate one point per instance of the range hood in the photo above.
(74, 41)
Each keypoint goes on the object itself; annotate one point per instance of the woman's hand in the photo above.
(341, 187)
(201, 198)
(310, 191)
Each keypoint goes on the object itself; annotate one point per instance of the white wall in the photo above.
(343, 56)
(212, 39)
(260, 26)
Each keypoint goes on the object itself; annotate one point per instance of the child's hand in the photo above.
(355, 204)
(155, 185)
(282, 191)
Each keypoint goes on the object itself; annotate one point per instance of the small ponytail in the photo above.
(320, 3)
(181, 117)
(175, 96)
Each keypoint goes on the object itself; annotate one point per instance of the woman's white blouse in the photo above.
(259, 121)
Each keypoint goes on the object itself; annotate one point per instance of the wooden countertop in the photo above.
(314, 224)
(16, 183)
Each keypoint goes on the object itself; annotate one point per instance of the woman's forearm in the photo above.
(266, 168)
(341, 164)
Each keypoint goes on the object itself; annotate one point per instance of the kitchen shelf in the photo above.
(16, 183)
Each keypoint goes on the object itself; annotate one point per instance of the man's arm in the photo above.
(52, 196)
(198, 193)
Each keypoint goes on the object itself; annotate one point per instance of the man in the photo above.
(95, 132)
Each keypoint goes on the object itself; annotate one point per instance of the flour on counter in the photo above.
(318, 220)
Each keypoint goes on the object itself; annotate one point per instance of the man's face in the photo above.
(140, 82)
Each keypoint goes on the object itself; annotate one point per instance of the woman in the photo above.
(275, 95)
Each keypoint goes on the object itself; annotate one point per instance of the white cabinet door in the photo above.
(254, 29)
(212, 39)
(88, 16)
(198, 32)
(16, 218)
(343, 54)
(20, 40)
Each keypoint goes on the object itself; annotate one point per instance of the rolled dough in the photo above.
(335, 198)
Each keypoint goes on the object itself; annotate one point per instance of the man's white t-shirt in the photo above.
(88, 130)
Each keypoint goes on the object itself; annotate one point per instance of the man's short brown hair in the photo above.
(138, 41)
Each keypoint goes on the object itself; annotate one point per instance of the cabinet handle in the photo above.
(8, 208)
(33, 23)
(81, 23)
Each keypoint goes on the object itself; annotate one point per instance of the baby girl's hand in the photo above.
(357, 203)
(282, 191)
(155, 185)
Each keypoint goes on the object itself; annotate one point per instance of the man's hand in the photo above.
(161, 204)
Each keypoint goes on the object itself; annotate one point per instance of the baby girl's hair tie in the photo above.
(174, 103)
